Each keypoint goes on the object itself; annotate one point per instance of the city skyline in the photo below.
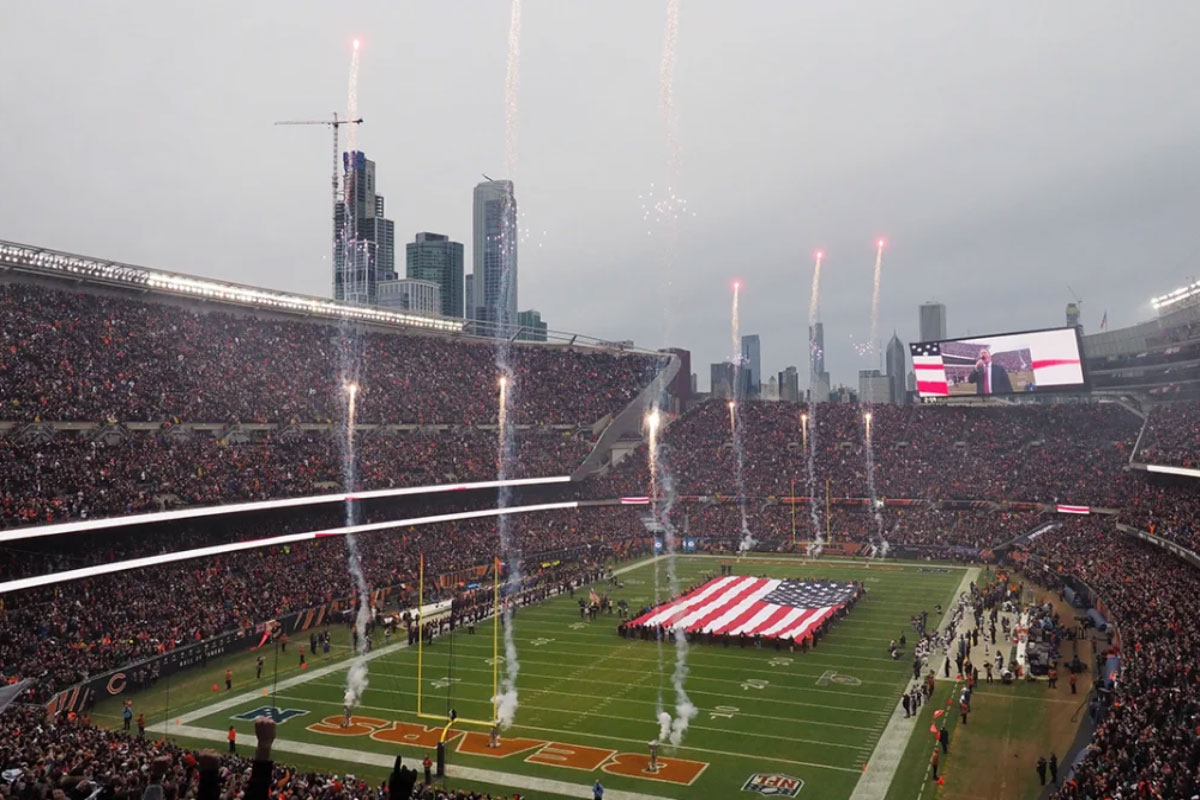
(972, 199)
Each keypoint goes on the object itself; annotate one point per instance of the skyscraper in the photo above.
(789, 385)
(366, 252)
(933, 321)
(751, 366)
(494, 262)
(721, 379)
(896, 362)
(533, 329)
(873, 387)
(433, 257)
(819, 379)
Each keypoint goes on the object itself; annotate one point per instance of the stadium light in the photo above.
(271, 541)
(91, 525)
(1171, 298)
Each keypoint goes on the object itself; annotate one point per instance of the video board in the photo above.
(999, 364)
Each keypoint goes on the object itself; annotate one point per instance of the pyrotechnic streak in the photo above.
(507, 701)
(874, 341)
(512, 82)
(816, 544)
(666, 92)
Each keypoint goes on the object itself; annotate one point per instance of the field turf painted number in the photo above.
(754, 683)
(832, 676)
(491, 662)
(541, 640)
(578, 626)
(723, 712)
(442, 683)
(779, 662)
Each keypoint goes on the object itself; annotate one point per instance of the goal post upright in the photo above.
(495, 638)
(420, 629)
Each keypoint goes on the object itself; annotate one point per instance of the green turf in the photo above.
(760, 710)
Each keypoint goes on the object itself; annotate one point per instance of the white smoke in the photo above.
(507, 701)
(356, 683)
(356, 678)
(748, 541)
(664, 726)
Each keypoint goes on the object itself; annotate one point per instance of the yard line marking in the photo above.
(768, 700)
(606, 737)
(692, 727)
(526, 783)
(885, 760)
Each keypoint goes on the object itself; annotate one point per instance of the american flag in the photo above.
(744, 604)
(930, 369)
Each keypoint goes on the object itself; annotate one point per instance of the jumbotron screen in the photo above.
(1003, 363)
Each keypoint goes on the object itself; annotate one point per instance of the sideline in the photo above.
(321, 672)
(469, 774)
(889, 750)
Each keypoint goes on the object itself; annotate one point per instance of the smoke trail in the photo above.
(666, 92)
(879, 545)
(672, 730)
(873, 342)
(816, 545)
(662, 486)
(735, 411)
(357, 676)
(503, 314)
(512, 81)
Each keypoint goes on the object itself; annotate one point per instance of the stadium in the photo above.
(191, 582)
(296, 510)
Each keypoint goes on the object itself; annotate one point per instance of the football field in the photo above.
(768, 719)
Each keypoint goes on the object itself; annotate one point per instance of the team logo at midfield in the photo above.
(278, 715)
(773, 785)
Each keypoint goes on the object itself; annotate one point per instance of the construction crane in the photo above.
(1075, 309)
(334, 123)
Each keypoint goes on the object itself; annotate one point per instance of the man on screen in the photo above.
(989, 378)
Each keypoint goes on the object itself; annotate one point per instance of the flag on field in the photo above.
(929, 368)
(593, 598)
(743, 604)
(1104, 320)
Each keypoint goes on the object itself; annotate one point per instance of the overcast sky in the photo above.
(1005, 150)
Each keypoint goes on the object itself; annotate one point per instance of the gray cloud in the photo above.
(1004, 150)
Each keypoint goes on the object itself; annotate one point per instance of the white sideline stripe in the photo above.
(81, 526)
(271, 541)
(889, 751)
(527, 783)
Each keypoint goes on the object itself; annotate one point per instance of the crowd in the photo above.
(71, 356)
(74, 478)
(76, 760)
(1066, 453)
(1145, 744)
(778, 527)
(1172, 436)
(63, 634)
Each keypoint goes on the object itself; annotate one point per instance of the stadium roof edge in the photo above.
(55, 263)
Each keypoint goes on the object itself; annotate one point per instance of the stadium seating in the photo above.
(1145, 735)
(69, 478)
(1172, 436)
(1068, 453)
(62, 634)
(57, 758)
(84, 356)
